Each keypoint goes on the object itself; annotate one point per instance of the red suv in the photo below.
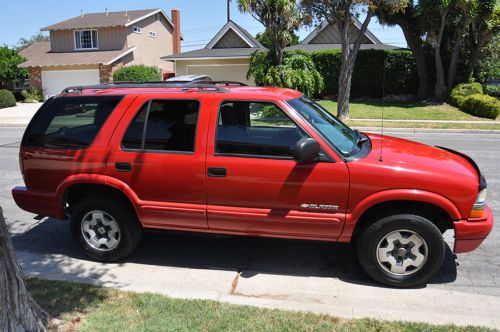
(118, 159)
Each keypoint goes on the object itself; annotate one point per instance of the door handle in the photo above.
(218, 172)
(123, 167)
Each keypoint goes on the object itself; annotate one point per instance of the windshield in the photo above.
(332, 129)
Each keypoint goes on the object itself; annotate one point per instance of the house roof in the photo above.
(232, 41)
(214, 53)
(320, 47)
(110, 19)
(243, 34)
(39, 54)
(325, 24)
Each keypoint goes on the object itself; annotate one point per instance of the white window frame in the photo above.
(137, 29)
(91, 39)
(152, 34)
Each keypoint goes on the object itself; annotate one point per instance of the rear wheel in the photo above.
(403, 250)
(105, 228)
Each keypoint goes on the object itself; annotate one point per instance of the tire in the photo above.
(415, 256)
(117, 224)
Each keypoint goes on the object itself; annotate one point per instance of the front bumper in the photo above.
(470, 233)
(41, 203)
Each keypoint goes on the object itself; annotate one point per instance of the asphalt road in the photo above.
(257, 261)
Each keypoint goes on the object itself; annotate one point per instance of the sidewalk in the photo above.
(19, 115)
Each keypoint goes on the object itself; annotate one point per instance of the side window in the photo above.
(256, 128)
(164, 125)
(70, 122)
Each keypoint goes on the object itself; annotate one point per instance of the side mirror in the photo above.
(306, 150)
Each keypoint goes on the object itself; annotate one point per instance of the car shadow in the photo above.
(221, 252)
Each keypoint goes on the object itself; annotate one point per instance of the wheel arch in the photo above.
(76, 188)
(437, 208)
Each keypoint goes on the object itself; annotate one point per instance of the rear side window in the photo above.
(164, 125)
(70, 122)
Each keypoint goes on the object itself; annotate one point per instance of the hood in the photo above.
(420, 157)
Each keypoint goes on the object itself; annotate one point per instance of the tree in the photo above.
(263, 38)
(341, 13)
(484, 26)
(281, 19)
(410, 21)
(23, 42)
(18, 311)
(9, 61)
(436, 14)
(489, 62)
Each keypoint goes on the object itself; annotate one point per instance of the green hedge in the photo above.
(481, 105)
(137, 73)
(492, 90)
(7, 99)
(400, 74)
(463, 90)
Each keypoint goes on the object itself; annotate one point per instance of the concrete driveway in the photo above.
(295, 275)
(19, 115)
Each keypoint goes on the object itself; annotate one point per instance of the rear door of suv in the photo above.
(158, 150)
(253, 184)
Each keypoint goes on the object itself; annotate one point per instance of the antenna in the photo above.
(381, 159)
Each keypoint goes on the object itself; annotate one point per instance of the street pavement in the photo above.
(276, 273)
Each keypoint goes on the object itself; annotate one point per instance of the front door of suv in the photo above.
(255, 187)
(158, 153)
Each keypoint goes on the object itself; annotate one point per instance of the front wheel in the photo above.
(403, 250)
(105, 228)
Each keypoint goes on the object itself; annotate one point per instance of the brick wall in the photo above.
(105, 73)
(35, 77)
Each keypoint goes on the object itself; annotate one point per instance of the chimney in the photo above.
(176, 36)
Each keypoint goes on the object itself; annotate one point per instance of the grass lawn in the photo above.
(84, 307)
(495, 125)
(405, 111)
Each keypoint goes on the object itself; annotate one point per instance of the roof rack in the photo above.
(201, 87)
(226, 83)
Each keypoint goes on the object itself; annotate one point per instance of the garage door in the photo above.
(54, 81)
(222, 72)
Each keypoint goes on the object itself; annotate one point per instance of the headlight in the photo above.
(479, 205)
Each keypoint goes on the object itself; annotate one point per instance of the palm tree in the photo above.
(281, 19)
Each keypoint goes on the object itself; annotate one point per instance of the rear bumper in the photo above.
(470, 233)
(41, 203)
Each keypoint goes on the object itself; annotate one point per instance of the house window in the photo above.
(152, 34)
(137, 30)
(86, 39)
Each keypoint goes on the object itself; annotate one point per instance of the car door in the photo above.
(253, 184)
(158, 152)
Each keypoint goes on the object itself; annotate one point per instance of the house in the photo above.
(227, 55)
(87, 49)
(327, 36)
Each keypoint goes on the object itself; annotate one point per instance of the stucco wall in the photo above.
(149, 50)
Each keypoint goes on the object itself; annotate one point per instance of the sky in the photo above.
(200, 19)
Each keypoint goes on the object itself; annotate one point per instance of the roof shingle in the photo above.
(100, 20)
(39, 54)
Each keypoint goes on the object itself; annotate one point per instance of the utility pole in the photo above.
(228, 10)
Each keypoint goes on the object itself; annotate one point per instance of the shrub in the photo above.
(463, 90)
(32, 96)
(368, 74)
(481, 105)
(7, 99)
(492, 90)
(137, 73)
(297, 72)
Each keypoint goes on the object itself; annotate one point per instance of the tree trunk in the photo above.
(440, 89)
(345, 77)
(416, 46)
(18, 311)
(452, 68)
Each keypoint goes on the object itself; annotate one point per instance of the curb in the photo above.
(429, 130)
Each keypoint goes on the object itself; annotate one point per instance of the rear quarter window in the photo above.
(70, 122)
